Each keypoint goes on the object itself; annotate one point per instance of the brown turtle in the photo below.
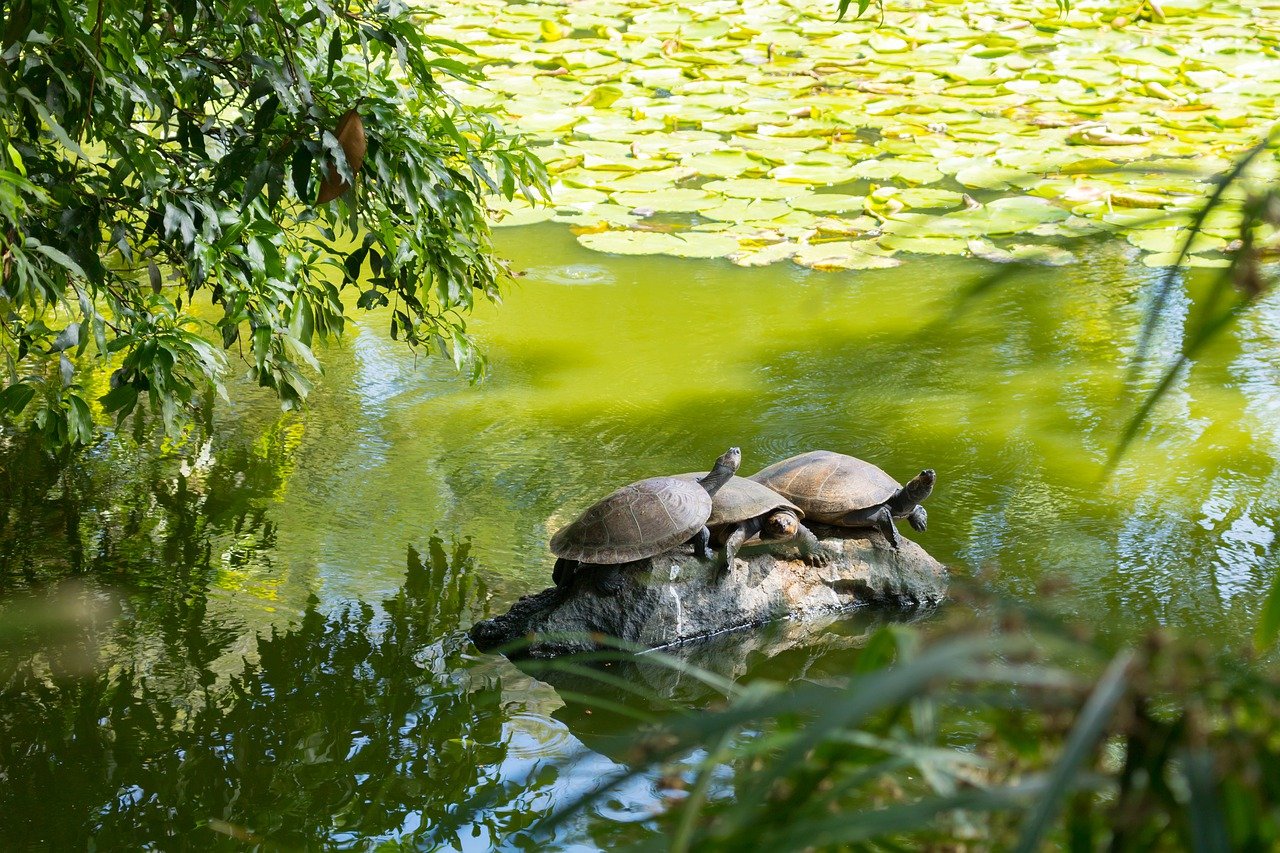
(744, 510)
(847, 492)
(639, 521)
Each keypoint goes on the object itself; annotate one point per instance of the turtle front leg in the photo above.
(918, 519)
(882, 518)
(812, 551)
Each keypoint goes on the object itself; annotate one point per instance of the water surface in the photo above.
(254, 633)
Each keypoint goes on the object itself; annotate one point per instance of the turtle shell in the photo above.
(740, 499)
(636, 521)
(827, 485)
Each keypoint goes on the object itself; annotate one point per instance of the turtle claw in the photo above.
(818, 559)
(918, 519)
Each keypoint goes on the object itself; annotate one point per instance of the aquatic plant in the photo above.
(765, 131)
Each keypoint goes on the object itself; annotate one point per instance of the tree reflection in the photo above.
(356, 725)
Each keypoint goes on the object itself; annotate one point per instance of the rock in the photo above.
(674, 597)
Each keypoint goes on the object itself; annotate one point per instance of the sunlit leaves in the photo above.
(1108, 116)
(159, 178)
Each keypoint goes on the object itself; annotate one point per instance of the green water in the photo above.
(255, 633)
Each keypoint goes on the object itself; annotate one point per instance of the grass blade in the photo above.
(1089, 728)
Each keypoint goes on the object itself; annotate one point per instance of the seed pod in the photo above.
(350, 134)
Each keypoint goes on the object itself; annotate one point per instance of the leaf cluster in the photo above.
(160, 173)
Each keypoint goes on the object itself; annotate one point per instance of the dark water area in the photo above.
(255, 633)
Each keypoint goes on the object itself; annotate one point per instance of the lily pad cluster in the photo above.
(765, 130)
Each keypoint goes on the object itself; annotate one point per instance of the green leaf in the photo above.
(58, 256)
(1268, 627)
(79, 420)
(254, 183)
(15, 398)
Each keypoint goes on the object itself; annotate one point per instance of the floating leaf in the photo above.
(676, 200)
(755, 188)
(986, 175)
(601, 97)
(924, 245)
(828, 203)
(723, 164)
(525, 216)
(1101, 135)
(922, 197)
(746, 210)
(910, 171)
(1168, 259)
(845, 255)
(764, 255)
(1170, 240)
(660, 243)
(820, 175)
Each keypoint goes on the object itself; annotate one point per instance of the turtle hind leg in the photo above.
(732, 543)
(701, 542)
(564, 571)
(918, 519)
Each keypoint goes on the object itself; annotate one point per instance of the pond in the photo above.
(255, 633)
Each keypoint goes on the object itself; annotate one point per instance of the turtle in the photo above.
(639, 521)
(744, 510)
(847, 492)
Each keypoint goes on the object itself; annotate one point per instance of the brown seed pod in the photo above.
(350, 134)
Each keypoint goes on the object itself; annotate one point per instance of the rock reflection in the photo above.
(609, 696)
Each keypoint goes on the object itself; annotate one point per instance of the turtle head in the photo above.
(780, 526)
(722, 471)
(920, 487)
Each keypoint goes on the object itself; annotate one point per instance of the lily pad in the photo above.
(660, 243)
(802, 173)
(924, 245)
(674, 200)
(524, 216)
(921, 197)
(746, 210)
(723, 164)
(828, 203)
(765, 255)
(1164, 241)
(845, 255)
(909, 171)
(761, 188)
(1168, 259)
